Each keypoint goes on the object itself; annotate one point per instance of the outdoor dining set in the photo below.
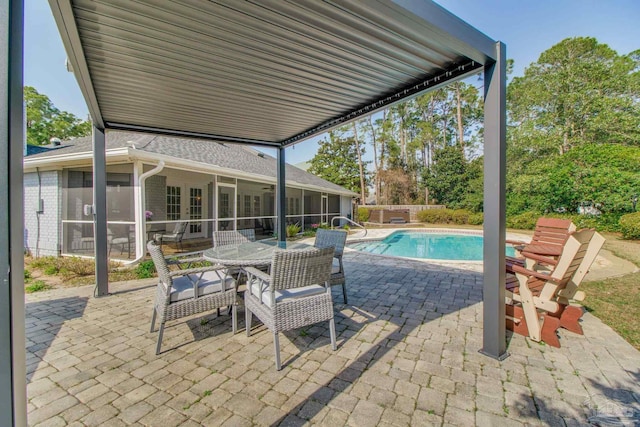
(286, 288)
(290, 288)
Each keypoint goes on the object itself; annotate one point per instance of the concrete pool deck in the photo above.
(606, 264)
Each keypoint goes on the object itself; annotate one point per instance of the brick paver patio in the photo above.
(408, 355)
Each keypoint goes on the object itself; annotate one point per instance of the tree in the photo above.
(447, 178)
(578, 92)
(45, 121)
(336, 161)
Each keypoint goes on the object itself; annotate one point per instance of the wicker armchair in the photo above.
(190, 291)
(295, 294)
(337, 239)
(234, 237)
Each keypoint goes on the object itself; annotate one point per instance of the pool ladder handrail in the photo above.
(349, 221)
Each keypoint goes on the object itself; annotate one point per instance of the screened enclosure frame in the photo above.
(269, 74)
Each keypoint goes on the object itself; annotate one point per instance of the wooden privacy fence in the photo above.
(386, 213)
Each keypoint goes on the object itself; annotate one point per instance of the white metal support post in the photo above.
(494, 330)
(13, 406)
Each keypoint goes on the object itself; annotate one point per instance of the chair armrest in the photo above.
(194, 270)
(531, 273)
(539, 258)
(261, 275)
(515, 242)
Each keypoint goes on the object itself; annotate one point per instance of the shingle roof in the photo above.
(230, 156)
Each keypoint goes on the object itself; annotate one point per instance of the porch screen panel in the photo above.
(334, 206)
(312, 208)
(77, 217)
(294, 206)
(256, 207)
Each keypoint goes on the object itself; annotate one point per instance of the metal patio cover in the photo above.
(276, 72)
(263, 72)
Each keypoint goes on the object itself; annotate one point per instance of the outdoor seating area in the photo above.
(407, 354)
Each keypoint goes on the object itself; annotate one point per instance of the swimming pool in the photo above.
(428, 245)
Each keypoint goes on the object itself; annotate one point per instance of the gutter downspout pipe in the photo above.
(141, 219)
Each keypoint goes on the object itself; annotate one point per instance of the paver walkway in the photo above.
(407, 355)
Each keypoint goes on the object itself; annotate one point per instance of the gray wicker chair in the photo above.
(336, 238)
(190, 291)
(234, 237)
(296, 293)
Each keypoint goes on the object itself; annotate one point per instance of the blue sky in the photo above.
(527, 28)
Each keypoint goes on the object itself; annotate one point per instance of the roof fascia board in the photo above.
(65, 21)
(457, 72)
(451, 30)
(112, 154)
(187, 134)
(192, 166)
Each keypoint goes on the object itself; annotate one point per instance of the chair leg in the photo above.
(248, 315)
(153, 319)
(160, 332)
(344, 292)
(276, 347)
(332, 332)
(234, 318)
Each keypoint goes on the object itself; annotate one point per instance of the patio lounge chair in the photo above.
(548, 240)
(175, 236)
(336, 238)
(537, 300)
(296, 293)
(187, 292)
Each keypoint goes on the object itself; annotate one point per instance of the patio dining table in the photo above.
(248, 254)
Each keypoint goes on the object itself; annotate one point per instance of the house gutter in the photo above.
(141, 220)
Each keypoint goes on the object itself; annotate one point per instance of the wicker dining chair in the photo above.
(234, 237)
(189, 291)
(337, 239)
(296, 293)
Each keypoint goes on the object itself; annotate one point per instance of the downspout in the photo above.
(141, 220)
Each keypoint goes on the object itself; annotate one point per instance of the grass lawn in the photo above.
(616, 301)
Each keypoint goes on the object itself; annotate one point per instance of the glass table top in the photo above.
(249, 253)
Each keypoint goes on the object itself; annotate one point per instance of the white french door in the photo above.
(187, 202)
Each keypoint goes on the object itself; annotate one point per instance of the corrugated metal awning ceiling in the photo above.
(263, 71)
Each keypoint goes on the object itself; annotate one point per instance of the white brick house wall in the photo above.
(43, 239)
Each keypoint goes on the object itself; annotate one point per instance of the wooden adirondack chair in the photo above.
(538, 302)
(547, 242)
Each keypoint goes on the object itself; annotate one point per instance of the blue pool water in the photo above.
(412, 244)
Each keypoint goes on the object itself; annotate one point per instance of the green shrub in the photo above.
(630, 225)
(37, 286)
(309, 233)
(435, 216)
(363, 214)
(524, 221)
(293, 229)
(51, 270)
(460, 216)
(476, 218)
(27, 275)
(44, 262)
(145, 269)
